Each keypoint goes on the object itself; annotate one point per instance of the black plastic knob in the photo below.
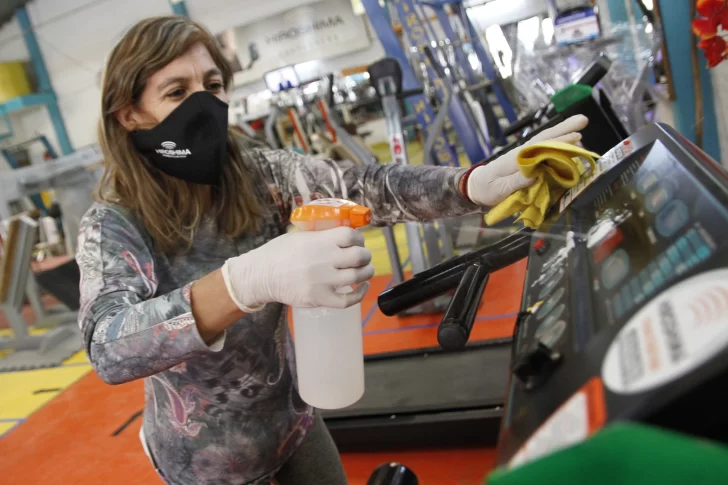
(535, 365)
(393, 474)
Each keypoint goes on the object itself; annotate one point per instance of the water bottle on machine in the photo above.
(328, 341)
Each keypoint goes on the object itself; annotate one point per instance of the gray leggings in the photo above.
(316, 461)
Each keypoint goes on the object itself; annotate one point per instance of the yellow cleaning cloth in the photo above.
(555, 166)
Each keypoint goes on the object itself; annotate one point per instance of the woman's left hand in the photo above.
(490, 184)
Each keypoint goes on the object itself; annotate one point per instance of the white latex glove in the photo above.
(490, 184)
(301, 269)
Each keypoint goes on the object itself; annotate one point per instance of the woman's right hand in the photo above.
(302, 269)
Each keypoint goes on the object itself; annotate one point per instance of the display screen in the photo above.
(652, 225)
(282, 79)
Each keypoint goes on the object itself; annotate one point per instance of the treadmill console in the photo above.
(625, 306)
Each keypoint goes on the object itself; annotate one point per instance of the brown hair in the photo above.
(169, 208)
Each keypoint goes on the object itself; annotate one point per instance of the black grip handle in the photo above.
(410, 92)
(454, 330)
(553, 120)
(330, 92)
(393, 474)
(528, 120)
(595, 72)
(445, 276)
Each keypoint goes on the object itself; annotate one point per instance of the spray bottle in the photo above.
(328, 341)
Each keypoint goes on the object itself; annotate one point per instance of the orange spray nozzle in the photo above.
(322, 214)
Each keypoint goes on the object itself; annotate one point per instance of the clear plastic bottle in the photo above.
(328, 341)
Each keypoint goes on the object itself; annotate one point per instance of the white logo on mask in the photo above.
(168, 150)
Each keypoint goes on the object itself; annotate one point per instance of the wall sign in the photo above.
(316, 31)
(577, 26)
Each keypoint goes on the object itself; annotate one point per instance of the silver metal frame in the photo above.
(434, 235)
(33, 351)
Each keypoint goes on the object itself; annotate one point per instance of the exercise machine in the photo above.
(71, 177)
(16, 283)
(386, 77)
(419, 34)
(605, 128)
(625, 316)
(623, 310)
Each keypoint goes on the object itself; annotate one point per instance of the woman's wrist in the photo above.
(463, 182)
(245, 306)
(212, 307)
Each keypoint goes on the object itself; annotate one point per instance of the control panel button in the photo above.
(535, 365)
(550, 303)
(608, 245)
(551, 283)
(541, 246)
(615, 268)
(550, 331)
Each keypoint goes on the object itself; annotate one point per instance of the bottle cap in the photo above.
(328, 213)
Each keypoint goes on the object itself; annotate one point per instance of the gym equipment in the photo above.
(420, 34)
(605, 130)
(426, 398)
(62, 282)
(386, 77)
(589, 76)
(624, 306)
(71, 177)
(638, 327)
(344, 144)
(17, 156)
(17, 282)
(315, 125)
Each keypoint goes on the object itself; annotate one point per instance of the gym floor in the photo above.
(65, 426)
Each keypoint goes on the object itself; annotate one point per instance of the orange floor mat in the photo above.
(77, 439)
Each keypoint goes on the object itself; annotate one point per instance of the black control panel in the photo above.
(625, 306)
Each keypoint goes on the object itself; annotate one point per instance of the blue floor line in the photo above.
(374, 307)
(435, 324)
(372, 310)
(15, 426)
(11, 420)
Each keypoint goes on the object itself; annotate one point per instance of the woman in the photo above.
(187, 268)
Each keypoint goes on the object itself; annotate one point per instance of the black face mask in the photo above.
(191, 142)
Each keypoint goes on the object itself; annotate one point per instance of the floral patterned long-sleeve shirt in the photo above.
(226, 413)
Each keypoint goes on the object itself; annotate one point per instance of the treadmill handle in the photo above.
(445, 276)
(530, 119)
(454, 330)
(410, 92)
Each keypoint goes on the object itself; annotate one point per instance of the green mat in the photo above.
(626, 454)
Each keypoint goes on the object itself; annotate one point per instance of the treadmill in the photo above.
(623, 329)
(624, 316)
(434, 397)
